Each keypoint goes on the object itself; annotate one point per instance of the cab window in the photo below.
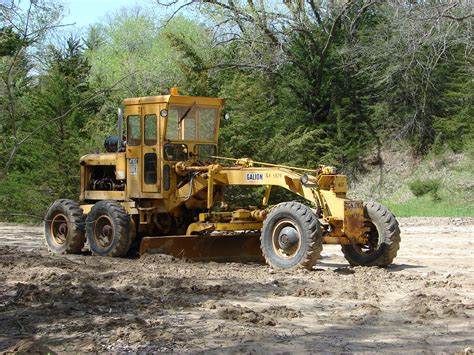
(175, 152)
(191, 123)
(133, 130)
(150, 168)
(207, 123)
(172, 126)
(150, 129)
(181, 122)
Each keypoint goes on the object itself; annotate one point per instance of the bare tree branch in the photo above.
(168, 20)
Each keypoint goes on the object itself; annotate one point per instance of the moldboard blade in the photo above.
(242, 248)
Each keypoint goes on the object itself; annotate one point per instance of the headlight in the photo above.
(304, 179)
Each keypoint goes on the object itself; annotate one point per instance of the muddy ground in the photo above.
(423, 302)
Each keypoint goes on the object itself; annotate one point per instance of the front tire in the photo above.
(64, 227)
(108, 229)
(291, 237)
(383, 239)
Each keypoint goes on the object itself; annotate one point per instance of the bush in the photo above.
(423, 187)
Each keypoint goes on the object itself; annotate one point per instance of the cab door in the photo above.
(150, 149)
(134, 149)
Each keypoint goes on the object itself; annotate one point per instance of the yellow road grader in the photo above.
(161, 186)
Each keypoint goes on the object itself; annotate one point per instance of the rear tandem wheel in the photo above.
(64, 227)
(109, 229)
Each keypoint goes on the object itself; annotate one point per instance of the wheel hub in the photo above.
(372, 243)
(104, 231)
(62, 229)
(288, 238)
(59, 228)
(107, 231)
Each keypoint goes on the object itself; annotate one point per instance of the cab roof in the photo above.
(175, 99)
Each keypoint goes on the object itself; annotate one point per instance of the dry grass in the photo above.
(454, 171)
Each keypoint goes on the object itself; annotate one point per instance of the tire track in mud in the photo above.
(64, 303)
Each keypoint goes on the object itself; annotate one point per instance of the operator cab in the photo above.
(159, 132)
(162, 130)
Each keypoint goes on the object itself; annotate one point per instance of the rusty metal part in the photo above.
(103, 231)
(371, 241)
(354, 219)
(242, 248)
(336, 240)
(59, 228)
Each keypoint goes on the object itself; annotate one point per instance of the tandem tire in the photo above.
(384, 239)
(64, 227)
(291, 237)
(108, 229)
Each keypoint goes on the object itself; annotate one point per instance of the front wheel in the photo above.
(383, 235)
(291, 237)
(109, 229)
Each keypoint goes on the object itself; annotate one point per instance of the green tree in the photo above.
(132, 48)
(22, 28)
(60, 104)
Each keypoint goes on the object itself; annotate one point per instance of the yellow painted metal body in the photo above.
(164, 179)
(130, 164)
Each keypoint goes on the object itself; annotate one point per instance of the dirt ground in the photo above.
(61, 303)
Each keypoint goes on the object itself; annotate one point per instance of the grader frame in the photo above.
(161, 187)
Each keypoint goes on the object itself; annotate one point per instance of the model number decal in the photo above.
(133, 166)
(254, 177)
(354, 204)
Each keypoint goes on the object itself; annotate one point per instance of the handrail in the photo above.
(265, 164)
